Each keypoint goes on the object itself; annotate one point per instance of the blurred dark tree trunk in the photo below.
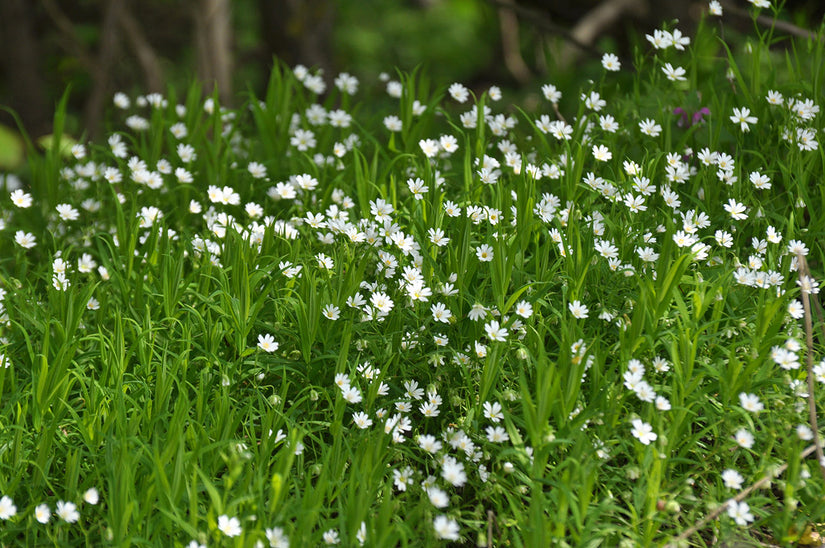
(146, 56)
(299, 31)
(213, 45)
(106, 58)
(22, 65)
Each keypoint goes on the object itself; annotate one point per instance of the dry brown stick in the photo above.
(816, 447)
(738, 498)
(804, 282)
(510, 44)
(766, 21)
(490, 518)
(594, 23)
(71, 42)
(106, 59)
(539, 19)
(146, 56)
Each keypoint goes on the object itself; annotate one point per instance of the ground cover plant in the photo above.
(396, 313)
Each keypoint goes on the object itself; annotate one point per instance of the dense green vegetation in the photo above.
(394, 312)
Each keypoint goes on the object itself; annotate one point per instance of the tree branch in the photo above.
(71, 42)
(770, 22)
(540, 20)
(510, 43)
(804, 278)
(107, 53)
(675, 542)
(595, 22)
(146, 56)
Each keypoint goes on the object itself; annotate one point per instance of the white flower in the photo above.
(91, 496)
(441, 313)
(737, 211)
(674, 74)
(744, 438)
(742, 117)
(611, 62)
(643, 432)
(524, 309)
(551, 93)
(393, 123)
(497, 434)
(25, 239)
(804, 432)
(361, 420)
(578, 310)
(67, 511)
(277, 538)
(21, 199)
(42, 513)
(662, 403)
(601, 153)
(750, 402)
(67, 212)
(429, 147)
(347, 83)
(7, 508)
(331, 537)
(459, 92)
(453, 472)
(593, 101)
(446, 528)
(484, 253)
(351, 394)
(732, 479)
(650, 127)
(494, 331)
(257, 170)
(740, 512)
(438, 497)
(266, 342)
(230, 527)
(661, 39)
(331, 312)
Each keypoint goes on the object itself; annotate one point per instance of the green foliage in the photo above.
(304, 319)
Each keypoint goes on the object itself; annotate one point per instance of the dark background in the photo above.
(141, 46)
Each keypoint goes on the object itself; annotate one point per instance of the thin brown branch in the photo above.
(767, 478)
(511, 45)
(146, 56)
(68, 37)
(770, 22)
(804, 282)
(595, 22)
(490, 520)
(106, 56)
(539, 19)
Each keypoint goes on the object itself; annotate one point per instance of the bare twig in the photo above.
(804, 282)
(510, 43)
(106, 58)
(594, 23)
(146, 56)
(769, 22)
(540, 20)
(738, 498)
(68, 37)
(491, 517)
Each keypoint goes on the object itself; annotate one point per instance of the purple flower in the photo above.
(685, 118)
(700, 114)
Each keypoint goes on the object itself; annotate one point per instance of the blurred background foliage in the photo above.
(99, 47)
